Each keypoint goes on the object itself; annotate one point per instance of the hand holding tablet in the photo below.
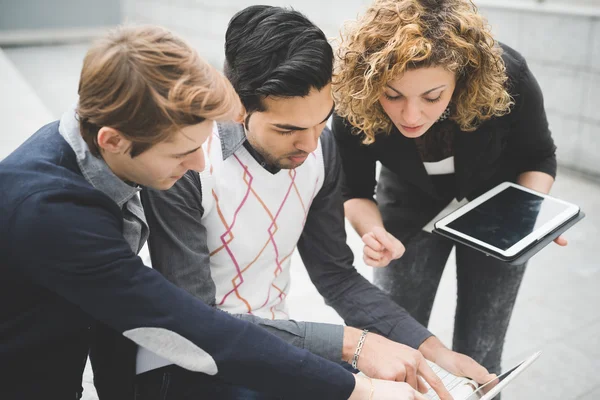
(509, 222)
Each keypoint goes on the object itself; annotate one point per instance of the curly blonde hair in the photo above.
(394, 36)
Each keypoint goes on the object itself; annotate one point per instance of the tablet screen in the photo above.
(508, 217)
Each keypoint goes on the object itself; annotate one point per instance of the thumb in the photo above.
(399, 248)
(480, 374)
(382, 237)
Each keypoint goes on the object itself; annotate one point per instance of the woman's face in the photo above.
(416, 100)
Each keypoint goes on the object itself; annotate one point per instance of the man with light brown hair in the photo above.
(71, 225)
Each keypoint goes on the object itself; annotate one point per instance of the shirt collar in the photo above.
(233, 137)
(94, 169)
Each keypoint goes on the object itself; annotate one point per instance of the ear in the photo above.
(112, 141)
(242, 117)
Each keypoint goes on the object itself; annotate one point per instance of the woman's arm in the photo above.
(358, 189)
(531, 145)
(536, 180)
(363, 215)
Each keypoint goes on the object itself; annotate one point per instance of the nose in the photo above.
(309, 140)
(411, 113)
(195, 161)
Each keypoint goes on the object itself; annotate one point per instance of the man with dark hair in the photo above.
(71, 225)
(226, 235)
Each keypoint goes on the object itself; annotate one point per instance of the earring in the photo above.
(444, 115)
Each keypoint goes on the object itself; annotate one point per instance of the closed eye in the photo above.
(433, 100)
(391, 98)
(182, 155)
(285, 133)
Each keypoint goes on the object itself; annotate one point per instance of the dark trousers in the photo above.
(176, 383)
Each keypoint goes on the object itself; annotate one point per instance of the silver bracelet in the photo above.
(359, 347)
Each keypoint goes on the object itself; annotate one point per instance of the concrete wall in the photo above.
(26, 22)
(560, 40)
(22, 111)
(36, 14)
(562, 47)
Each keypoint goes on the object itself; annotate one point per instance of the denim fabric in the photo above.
(175, 383)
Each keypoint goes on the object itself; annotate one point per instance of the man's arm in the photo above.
(179, 250)
(81, 255)
(329, 262)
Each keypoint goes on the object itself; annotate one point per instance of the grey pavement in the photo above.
(557, 310)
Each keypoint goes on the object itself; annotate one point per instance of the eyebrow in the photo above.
(187, 152)
(422, 94)
(298, 128)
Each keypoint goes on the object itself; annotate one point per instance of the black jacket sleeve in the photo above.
(358, 165)
(530, 145)
(329, 264)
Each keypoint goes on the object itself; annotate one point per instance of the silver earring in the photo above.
(444, 115)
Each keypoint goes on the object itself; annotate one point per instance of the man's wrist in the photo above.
(351, 338)
(431, 347)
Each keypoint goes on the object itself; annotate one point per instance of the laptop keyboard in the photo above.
(450, 381)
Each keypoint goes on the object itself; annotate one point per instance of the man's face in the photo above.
(164, 163)
(288, 131)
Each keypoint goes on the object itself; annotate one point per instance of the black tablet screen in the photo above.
(508, 217)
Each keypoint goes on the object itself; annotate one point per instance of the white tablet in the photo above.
(489, 390)
(466, 389)
(508, 219)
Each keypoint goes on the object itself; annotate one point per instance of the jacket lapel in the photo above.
(405, 159)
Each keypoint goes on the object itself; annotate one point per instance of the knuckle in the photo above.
(387, 377)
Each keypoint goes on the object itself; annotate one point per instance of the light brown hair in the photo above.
(394, 36)
(147, 83)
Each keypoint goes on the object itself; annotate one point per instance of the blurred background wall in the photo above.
(559, 38)
(44, 21)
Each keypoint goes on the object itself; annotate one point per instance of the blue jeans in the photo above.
(176, 383)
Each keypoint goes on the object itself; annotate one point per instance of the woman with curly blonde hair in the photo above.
(422, 87)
